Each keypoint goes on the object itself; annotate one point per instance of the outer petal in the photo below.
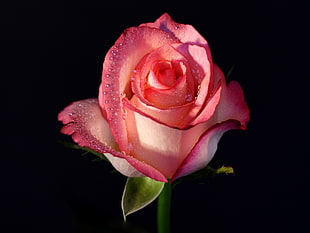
(231, 113)
(185, 33)
(232, 105)
(118, 66)
(205, 149)
(84, 121)
(155, 143)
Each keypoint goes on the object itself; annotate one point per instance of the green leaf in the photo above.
(138, 193)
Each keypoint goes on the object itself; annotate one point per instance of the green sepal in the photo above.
(206, 172)
(100, 157)
(138, 193)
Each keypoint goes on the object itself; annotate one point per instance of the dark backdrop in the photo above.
(52, 54)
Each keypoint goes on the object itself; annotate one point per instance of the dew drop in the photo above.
(109, 109)
(105, 92)
(106, 101)
(124, 114)
(189, 98)
(70, 113)
(107, 85)
(107, 76)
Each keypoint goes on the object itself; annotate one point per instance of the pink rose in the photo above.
(163, 104)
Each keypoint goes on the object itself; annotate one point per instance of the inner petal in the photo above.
(163, 79)
(165, 73)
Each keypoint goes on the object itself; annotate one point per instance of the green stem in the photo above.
(163, 209)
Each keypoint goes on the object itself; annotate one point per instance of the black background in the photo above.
(52, 54)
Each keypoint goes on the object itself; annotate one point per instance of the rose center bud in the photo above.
(166, 84)
(164, 74)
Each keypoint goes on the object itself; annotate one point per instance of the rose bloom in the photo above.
(163, 105)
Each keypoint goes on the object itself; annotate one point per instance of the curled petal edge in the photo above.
(83, 120)
(205, 148)
(184, 32)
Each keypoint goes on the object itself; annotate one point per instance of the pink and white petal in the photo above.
(154, 143)
(118, 66)
(122, 166)
(207, 96)
(232, 112)
(210, 107)
(204, 150)
(158, 144)
(185, 33)
(83, 119)
(85, 122)
(232, 105)
(200, 62)
(173, 117)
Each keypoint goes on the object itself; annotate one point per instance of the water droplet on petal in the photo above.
(189, 98)
(124, 114)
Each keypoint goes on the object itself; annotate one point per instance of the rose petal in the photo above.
(85, 122)
(200, 62)
(209, 108)
(185, 33)
(143, 79)
(155, 143)
(84, 119)
(118, 65)
(173, 117)
(205, 149)
(232, 112)
(232, 105)
(207, 96)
